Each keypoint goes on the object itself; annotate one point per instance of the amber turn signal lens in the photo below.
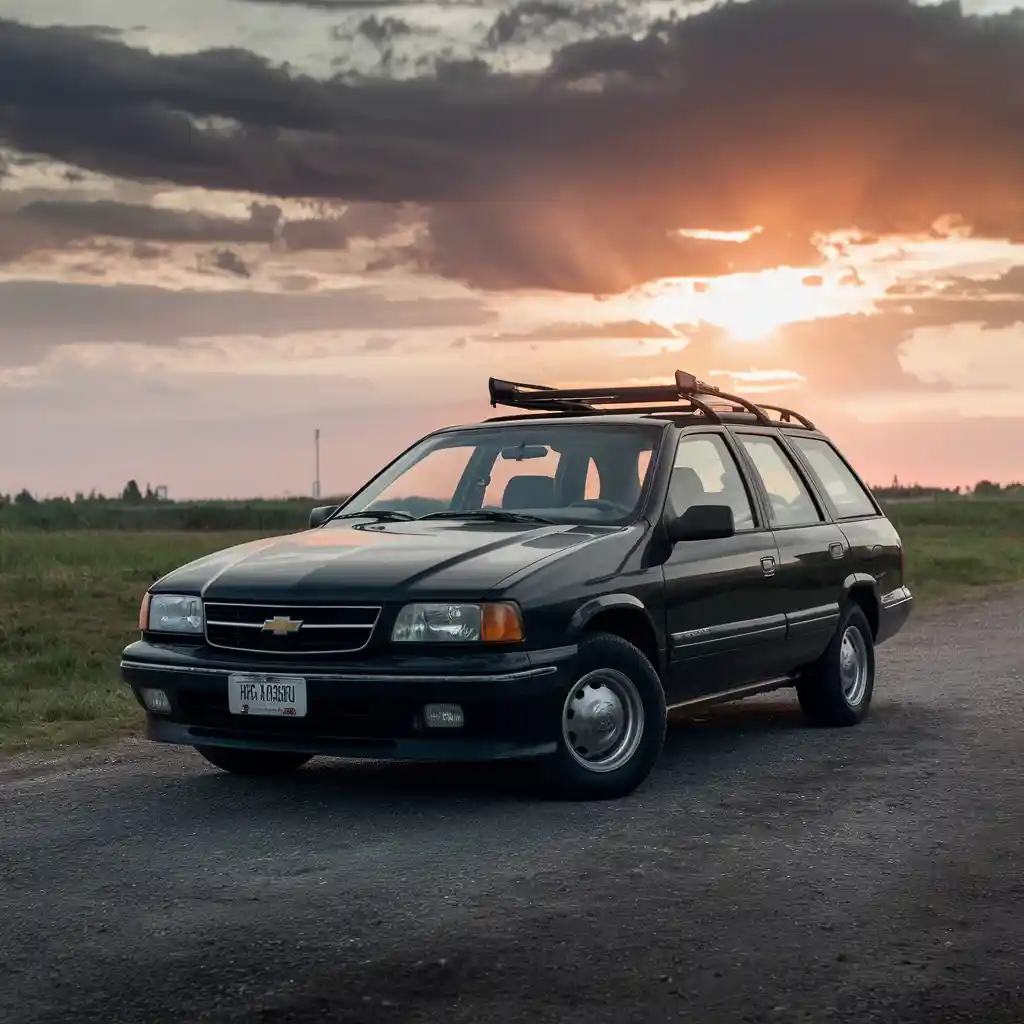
(144, 613)
(501, 623)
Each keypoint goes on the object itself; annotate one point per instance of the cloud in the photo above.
(614, 330)
(1008, 285)
(360, 220)
(793, 115)
(857, 354)
(341, 6)
(527, 19)
(576, 246)
(378, 343)
(77, 219)
(39, 224)
(40, 316)
(230, 262)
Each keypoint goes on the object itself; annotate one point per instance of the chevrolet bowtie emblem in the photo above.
(281, 625)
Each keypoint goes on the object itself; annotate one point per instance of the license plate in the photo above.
(251, 694)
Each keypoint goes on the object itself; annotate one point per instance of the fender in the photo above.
(860, 579)
(613, 602)
(605, 603)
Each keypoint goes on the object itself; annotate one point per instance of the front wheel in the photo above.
(837, 691)
(612, 724)
(240, 761)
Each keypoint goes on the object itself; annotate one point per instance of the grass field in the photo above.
(69, 603)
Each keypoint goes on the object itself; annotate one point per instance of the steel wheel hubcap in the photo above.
(603, 720)
(853, 666)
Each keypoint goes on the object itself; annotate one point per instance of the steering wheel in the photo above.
(599, 504)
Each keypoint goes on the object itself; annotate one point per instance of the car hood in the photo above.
(379, 560)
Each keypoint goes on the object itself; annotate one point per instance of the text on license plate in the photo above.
(251, 694)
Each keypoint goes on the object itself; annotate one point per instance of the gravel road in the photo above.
(766, 872)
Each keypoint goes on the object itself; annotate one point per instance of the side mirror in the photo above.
(702, 522)
(321, 514)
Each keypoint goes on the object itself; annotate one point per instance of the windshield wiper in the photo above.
(384, 514)
(493, 515)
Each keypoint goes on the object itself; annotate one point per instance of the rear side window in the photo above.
(791, 502)
(834, 476)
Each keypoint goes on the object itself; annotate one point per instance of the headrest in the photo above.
(529, 492)
(686, 489)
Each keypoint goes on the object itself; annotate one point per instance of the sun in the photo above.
(750, 308)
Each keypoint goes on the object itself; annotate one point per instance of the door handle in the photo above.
(835, 549)
(768, 565)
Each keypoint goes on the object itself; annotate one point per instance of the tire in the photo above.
(833, 696)
(241, 761)
(610, 674)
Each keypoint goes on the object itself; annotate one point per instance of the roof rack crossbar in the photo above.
(788, 416)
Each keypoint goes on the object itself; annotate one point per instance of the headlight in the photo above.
(171, 613)
(498, 622)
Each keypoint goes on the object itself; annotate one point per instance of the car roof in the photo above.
(682, 420)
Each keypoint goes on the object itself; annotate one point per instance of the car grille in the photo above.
(311, 629)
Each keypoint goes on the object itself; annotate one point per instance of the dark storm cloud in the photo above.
(796, 115)
(38, 316)
(581, 247)
(341, 6)
(361, 220)
(148, 223)
(55, 223)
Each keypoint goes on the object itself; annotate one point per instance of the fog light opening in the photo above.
(156, 701)
(443, 716)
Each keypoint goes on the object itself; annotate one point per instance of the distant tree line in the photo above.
(982, 489)
(140, 508)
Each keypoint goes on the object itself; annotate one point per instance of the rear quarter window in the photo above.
(848, 496)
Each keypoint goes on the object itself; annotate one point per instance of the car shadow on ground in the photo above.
(696, 746)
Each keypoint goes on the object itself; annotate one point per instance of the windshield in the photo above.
(564, 474)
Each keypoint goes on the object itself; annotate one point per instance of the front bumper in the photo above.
(511, 703)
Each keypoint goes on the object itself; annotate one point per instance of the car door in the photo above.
(874, 546)
(723, 625)
(813, 551)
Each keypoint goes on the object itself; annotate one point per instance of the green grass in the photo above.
(958, 547)
(69, 603)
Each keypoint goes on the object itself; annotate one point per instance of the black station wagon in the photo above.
(543, 586)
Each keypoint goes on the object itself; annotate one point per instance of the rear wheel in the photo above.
(240, 761)
(837, 691)
(612, 724)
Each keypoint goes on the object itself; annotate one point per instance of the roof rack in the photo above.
(788, 416)
(663, 397)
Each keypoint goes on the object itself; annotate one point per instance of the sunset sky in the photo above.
(225, 223)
